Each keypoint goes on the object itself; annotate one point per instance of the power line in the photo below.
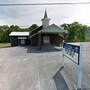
(44, 4)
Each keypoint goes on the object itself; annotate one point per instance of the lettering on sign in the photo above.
(72, 52)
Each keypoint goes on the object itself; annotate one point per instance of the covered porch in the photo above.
(50, 38)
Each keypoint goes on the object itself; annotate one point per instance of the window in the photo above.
(22, 41)
(46, 40)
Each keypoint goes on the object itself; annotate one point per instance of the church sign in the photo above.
(74, 53)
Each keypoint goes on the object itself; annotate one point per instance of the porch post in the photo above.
(64, 36)
(40, 40)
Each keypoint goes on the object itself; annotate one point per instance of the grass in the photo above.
(2, 45)
(88, 39)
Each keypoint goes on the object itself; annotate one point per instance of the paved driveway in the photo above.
(27, 68)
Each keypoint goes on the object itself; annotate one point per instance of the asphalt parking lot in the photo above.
(27, 68)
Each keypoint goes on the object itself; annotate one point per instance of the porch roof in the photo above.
(19, 34)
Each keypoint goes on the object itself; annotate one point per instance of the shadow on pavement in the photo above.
(59, 81)
(43, 50)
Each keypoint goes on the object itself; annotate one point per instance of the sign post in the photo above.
(63, 56)
(80, 69)
(74, 53)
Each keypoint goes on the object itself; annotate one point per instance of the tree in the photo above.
(34, 26)
(6, 30)
(4, 37)
(14, 28)
(76, 31)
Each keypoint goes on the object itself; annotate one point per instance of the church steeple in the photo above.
(45, 15)
(45, 20)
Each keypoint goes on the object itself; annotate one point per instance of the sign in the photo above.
(21, 37)
(72, 52)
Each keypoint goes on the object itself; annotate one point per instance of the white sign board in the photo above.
(21, 37)
(74, 53)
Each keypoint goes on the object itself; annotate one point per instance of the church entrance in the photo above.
(21, 40)
(46, 40)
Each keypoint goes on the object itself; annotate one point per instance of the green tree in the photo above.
(5, 30)
(34, 26)
(76, 31)
(14, 28)
(4, 37)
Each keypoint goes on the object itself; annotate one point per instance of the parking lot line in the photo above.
(38, 78)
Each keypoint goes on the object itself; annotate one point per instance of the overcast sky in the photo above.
(27, 15)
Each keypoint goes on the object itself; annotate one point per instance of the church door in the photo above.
(46, 40)
(22, 42)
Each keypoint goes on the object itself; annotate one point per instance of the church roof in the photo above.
(53, 29)
(50, 29)
(35, 32)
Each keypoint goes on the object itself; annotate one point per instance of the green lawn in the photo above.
(88, 39)
(5, 45)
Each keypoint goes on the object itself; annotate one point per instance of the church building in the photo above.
(45, 34)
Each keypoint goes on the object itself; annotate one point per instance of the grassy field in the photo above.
(2, 45)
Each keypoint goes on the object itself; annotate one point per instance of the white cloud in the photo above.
(27, 15)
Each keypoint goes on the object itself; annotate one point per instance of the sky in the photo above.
(25, 16)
